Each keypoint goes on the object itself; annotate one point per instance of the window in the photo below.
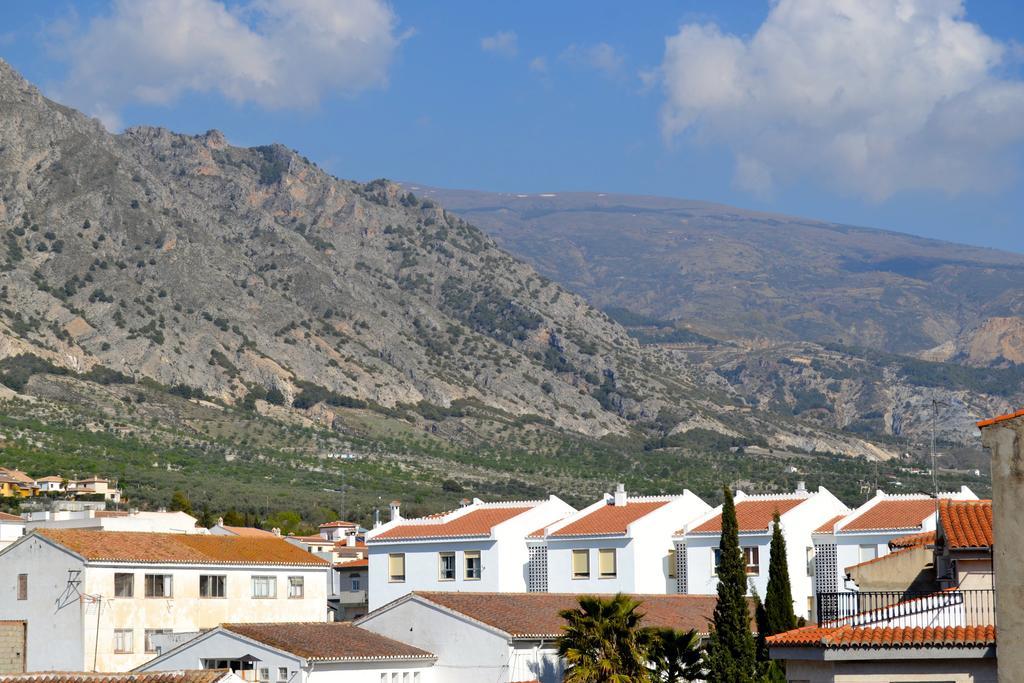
(606, 563)
(383, 678)
(716, 560)
(472, 561)
(810, 560)
(751, 556)
(396, 567)
(124, 585)
(581, 564)
(868, 552)
(446, 566)
(264, 588)
(672, 564)
(23, 586)
(159, 586)
(282, 673)
(212, 585)
(264, 674)
(356, 581)
(124, 641)
(149, 633)
(296, 587)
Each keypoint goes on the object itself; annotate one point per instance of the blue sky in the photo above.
(829, 112)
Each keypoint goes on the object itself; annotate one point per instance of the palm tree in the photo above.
(675, 655)
(602, 641)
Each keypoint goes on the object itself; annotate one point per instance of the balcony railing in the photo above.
(908, 609)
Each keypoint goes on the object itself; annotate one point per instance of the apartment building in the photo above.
(800, 514)
(618, 544)
(479, 547)
(104, 595)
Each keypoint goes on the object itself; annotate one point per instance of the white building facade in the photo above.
(479, 547)
(114, 520)
(800, 514)
(102, 596)
(618, 544)
(12, 527)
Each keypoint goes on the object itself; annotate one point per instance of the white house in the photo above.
(95, 486)
(50, 484)
(300, 653)
(800, 514)
(103, 595)
(508, 637)
(478, 547)
(188, 676)
(114, 520)
(12, 527)
(618, 544)
(864, 534)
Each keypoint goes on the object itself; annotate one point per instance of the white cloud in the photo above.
(600, 56)
(539, 65)
(505, 43)
(276, 53)
(874, 96)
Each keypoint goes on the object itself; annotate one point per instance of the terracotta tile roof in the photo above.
(4, 517)
(827, 527)
(110, 513)
(183, 676)
(609, 519)
(52, 478)
(535, 615)
(966, 523)
(337, 523)
(477, 522)
(752, 515)
(893, 513)
(848, 637)
(130, 546)
(913, 540)
(248, 531)
(362, 563)
(17, 475)
(1001, 418)
(328, 641)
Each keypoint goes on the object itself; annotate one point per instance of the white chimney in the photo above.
(220, 521)
(801, 487)
(275, 531)
(350, 540)
(620, 495)
(376, 518)
(396, 510)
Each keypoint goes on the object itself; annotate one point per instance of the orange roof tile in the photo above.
(893, 513)
(913, 540)
(477, 522)
(609, 519)
(328, 641)
(535, 615)
(827, 527)
(362, 563)
(4, 517)
(249, 531)
(752, 515)
(966, 523)
(1001, 418)
(144, 547)
(336, 524)
(846, 637)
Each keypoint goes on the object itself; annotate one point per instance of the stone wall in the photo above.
(12, 647)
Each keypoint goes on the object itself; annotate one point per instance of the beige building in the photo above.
(104, 595)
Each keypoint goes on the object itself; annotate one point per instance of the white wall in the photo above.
(560, 578)
(422, 565)
(466, 652)
(185, 611)
(10, 532)
(166, 522)
(53, 610)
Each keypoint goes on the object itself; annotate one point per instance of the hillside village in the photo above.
(903, 585)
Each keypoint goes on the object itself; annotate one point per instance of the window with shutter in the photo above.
(606, 563)
(581, 564)
(396, 567)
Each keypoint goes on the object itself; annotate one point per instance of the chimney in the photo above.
(350, 540)
(465, 502)
(801, 487)
(220, 521)
(396, 510)
(376, 517)
(275, 531)
(620, 495)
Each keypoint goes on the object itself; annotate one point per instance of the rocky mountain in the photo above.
(224, 314)
(736, 274)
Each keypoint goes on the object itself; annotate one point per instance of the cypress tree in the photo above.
(731, 654)
(778, 599)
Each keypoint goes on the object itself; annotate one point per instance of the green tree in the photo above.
(675, 656)
(602, 641)
(180, 502)
(778, 599)
(233, 518)
(731, 655)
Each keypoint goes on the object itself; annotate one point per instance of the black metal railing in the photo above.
(906, 608)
